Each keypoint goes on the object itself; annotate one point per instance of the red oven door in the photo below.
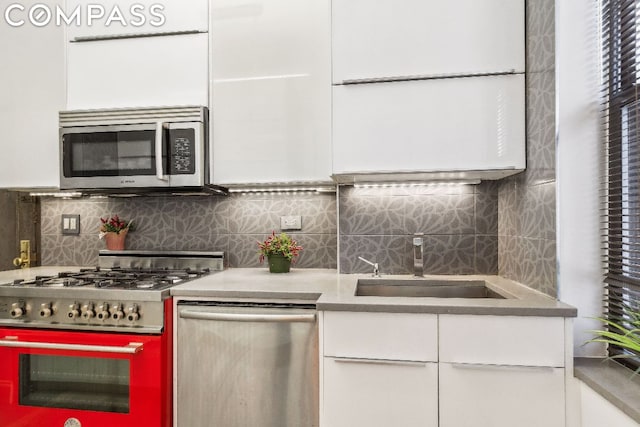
(84, 379)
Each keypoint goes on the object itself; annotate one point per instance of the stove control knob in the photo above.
(88, 312)
(74, 311)
(46, 310)
(17, 310)
(103, 311)
(133, 313)
(116, 312)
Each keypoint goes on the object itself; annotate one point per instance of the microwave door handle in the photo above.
(160, 127)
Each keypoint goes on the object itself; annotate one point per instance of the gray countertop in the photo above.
(333, 291)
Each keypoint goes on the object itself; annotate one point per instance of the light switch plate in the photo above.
(70, 224)
(291, 222)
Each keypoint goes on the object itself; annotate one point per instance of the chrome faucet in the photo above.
(376, 270)
(418, 254)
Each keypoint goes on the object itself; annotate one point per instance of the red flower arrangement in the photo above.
(115, 225)
(280, 244)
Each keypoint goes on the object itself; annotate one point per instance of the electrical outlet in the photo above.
(291, 222)
(70, 224)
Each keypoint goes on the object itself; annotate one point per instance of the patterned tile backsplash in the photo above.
(527, 206)
(460, 226)
(232, 224)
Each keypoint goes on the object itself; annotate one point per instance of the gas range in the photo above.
(125, 292)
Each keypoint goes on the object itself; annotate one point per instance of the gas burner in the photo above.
(146, 284)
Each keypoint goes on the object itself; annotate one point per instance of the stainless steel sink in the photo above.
(437, 288)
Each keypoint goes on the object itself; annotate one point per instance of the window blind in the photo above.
(621, 188)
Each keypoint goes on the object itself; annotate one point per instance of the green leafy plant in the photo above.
(623, 333)
(115, 225)
(279, 244)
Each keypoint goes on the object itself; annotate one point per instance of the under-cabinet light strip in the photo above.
(60, 194)
(416, 184)
(282, 190)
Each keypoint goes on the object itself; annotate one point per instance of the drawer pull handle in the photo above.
(477, 366)
(392, 79)
(380, 362)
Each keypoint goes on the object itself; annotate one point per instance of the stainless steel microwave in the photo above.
(134, 148)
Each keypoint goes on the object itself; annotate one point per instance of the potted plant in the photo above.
(114, 231)
(280, 251)
(623, 333)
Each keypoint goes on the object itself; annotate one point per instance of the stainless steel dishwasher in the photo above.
(246, 364)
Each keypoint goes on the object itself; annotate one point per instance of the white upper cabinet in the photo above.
(110, 17)
(138, 72)
(138, 54)
(442, 125)
(409, 38)
(428, 89)
(32, 88)
(271, 91)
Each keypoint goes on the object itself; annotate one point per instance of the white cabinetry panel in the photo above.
(386, 38)
(501, 396)
(111, 17)
(271, 91)
(154, 71)
(394, 336)
(32, 88)
(451, 124)
(367, 393)
(508, 340)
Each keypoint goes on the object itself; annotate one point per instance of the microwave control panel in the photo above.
(182, 152)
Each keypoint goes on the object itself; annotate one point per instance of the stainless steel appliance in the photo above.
(94, 347)
(164, 147)
(247, 364)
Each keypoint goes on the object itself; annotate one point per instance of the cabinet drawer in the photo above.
(367, 393)
(502, 340)
(501, 396)
(391, 336)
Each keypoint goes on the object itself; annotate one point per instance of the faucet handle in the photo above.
(376, 269)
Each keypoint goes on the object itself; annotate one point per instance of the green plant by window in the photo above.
(622, 333)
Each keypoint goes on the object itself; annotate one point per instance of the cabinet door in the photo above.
(377, 393)
(111, 17)
(501, 396)
(390, 38)
(154, 71)
(271, 99)
(475, 123)
(32, 88)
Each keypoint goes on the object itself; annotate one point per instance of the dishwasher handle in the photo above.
(238, 317)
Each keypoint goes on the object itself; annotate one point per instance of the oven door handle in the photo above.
(160, 127)
(131, 348)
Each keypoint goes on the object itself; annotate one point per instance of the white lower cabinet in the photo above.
(380, 393)
(403, 369)
(501, 396)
